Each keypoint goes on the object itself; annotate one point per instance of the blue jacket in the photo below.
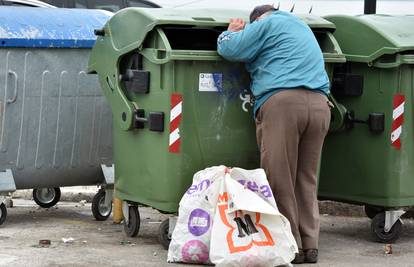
(280, 52)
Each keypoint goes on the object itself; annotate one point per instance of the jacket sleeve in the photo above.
(243, 45)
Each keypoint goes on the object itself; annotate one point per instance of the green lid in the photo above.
(139, 21)
(366, 38)
(316, 22)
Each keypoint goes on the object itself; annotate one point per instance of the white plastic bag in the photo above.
(207, 233)
(191, 236)
(260, 236)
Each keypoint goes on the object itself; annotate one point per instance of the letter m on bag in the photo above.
(231, 235)
(223, 198)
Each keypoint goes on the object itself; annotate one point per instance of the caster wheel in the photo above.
(371, 211)
(3, 213)
(377, 229)
(99, 210)
(131, 228)
(46, 197)
(163, 235)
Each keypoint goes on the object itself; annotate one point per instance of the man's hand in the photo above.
(236, 25)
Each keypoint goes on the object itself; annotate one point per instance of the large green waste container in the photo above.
(178, 107)
(371, 161)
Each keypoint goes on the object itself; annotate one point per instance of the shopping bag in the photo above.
(190, 241)
(248, 229)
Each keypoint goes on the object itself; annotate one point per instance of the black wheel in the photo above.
(3, 213)
(371, 211)
(46, 197)
(131, 228)
(99, 210)
(377, 228)
(163, 235)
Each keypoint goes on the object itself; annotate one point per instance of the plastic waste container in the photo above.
(369, 162)
(55, 122)
(178, 107)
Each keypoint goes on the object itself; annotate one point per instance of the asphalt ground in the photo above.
(344, 241)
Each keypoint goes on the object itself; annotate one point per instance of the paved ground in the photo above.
(345, 241)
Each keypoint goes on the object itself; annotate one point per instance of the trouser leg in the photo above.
(309, 153)
(280, 120)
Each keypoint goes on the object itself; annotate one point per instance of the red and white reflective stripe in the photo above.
(397, 120)
(175, 119)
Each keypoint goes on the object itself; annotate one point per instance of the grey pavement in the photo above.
(78, 193)
(344, 241)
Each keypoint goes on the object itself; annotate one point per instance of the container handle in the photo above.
(407, 59)
(399, 60)
(14, 97)
(158, 56)
(153, 55)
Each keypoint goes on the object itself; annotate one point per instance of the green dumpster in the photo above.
(370, 162)
(178, 107)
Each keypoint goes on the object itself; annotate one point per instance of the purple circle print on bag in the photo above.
(195, 251)
(198, 222)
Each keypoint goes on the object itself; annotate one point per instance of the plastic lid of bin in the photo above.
(316, 22)
(50, 27)
(366, 38)
(149, 18)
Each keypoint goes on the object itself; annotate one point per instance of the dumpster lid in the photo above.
(149, 18)
(316, 22)
(50, 27)
(365, 38)
(218, 16)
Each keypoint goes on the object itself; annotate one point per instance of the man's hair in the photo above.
(260, 10)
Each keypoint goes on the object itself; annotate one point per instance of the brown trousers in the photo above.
(290, 127)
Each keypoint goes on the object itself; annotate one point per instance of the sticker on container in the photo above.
(175, 120)
(397, 120)
(210, 82)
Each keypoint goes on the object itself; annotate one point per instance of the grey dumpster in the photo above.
(55, 124)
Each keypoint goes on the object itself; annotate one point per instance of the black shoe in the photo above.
(311, 255)
(299, 257)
